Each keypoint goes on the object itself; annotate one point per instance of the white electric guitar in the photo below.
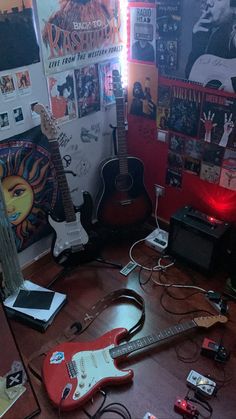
(70, 238)
(210, 70)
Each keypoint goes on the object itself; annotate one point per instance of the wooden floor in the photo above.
(160, 372)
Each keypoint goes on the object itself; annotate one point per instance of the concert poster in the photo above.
(142, 36)
(142, 91)
(106, 84)
(18, 46)
(87, 90)
(185, 109)
(61, 88)
(77, 33)
(168, 28)
(29, 184)
(218, 120)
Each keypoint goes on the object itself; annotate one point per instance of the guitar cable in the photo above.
(109, 408)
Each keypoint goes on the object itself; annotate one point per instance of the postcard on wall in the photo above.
(23, 82)
(18, 46)
(77, 33)
(218, 119)
(106, 86)
(228, 179)
(87, 90)
(4, 121)
(61, 88)
(18, 115)
(210, 173)
(7, 87)
(142, 36)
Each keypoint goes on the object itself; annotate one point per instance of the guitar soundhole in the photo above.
(124, 182)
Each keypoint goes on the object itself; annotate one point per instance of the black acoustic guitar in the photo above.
(71, 243)
(124, 200)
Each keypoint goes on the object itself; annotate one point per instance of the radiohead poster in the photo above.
(79, 32)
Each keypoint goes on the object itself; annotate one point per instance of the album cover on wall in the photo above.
(210, 172)
(174, 178)
(177, 143)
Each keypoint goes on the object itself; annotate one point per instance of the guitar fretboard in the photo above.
(137, 344)
(62, 182)
(121, 136)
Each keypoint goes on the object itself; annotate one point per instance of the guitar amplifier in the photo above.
(198, 239)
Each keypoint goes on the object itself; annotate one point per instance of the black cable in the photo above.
(110, 408)
(180, 313)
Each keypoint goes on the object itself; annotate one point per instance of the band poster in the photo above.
(77, 33)
(16, 17)
(200, 126)
(142, 37)
(206, 44)
(29, 185)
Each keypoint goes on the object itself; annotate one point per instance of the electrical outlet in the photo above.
(160, 190)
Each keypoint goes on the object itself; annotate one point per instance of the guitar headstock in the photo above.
(209, 321)
(48, 126)
(117, 85)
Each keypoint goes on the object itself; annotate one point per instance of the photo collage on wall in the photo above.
(200, 126)
(12, 86)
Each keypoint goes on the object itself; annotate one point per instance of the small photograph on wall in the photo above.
(210, 173)
(213, 154)
(175, 161)
(142, 47)
(163, 115)
(4, 121)
(194, 148)
(87, 90)
(142, 91)
(107, 89)
(185, 110)
(61, 88)
(218, 120)
(18, 115)
(23, 82)
(192, 165)
(177, 143)
(7, 87)
(33, 113)
(174, 178)
(228, 179)
(18, 46)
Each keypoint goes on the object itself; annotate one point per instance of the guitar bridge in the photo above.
(72, 369)
(126, 202)
(78, 248)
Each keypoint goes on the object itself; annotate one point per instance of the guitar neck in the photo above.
(141, 343)
(62, 182)
(121, 135)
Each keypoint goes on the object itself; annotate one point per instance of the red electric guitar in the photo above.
(74, 371)
(124, 200)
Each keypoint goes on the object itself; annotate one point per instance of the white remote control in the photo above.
(202, 384)
(128, 268)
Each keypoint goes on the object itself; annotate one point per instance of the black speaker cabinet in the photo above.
(198, 239)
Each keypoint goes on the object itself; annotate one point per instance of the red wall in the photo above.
(209, 198)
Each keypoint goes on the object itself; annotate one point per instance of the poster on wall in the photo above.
(207, 44)
(142, 91)
(62, 96)
(87, 90)
(29, 185)
(105, 71)
(142, 37)
(76, 33)
(18, 46)
(218, 120)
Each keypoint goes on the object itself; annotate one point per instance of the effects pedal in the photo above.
(185, 408)
(201, 384)
(212, 349)
(128, 268)
(157, 240)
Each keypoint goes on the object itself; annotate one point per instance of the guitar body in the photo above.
(211, 70)
(83, 368)
(71, 243)
(124, 200)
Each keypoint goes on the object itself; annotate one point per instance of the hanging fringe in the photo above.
(12, 275)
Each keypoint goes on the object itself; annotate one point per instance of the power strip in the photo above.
(201, 384)
(157, 240)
